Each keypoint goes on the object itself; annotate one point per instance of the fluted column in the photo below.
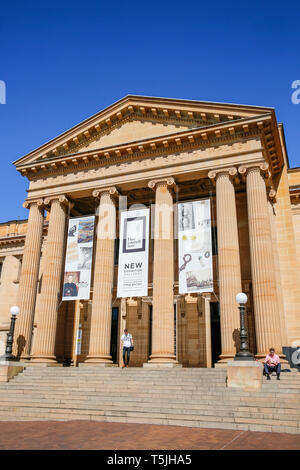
(271, 204)
(29, 279)
(163, 274)
(44, 343)
(267, 322)
(99, 351)
(228, 260)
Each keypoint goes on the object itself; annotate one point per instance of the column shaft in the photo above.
(99, 351)
(283, 330)
(229, 265)
(28, 281)
(44, 344)
(266, 312)
(163, 278)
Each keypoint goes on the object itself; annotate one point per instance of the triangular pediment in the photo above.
(138, 118)
(132, 130)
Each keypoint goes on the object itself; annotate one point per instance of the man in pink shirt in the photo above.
(272, 364)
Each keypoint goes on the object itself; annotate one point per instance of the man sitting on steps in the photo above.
(272, 364)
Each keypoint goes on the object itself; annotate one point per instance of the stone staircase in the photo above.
(185, 397)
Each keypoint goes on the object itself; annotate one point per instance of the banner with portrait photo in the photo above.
(195, 247)
(78, 265)
(133, 254)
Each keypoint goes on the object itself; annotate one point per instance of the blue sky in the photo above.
(64, 61)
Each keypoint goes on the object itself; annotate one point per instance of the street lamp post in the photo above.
(243, 354)
(10, 335)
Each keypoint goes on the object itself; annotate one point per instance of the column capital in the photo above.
(29, 202)
(111, 190)
(169, 181)
(262, 167)
(231, 172)
(61, 198)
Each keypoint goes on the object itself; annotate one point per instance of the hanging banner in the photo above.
(78, 266)
(133, 254)
(195, 247)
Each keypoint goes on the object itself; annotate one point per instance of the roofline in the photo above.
(281, 127)
(180, 133)
(127, 98)
(13, 221)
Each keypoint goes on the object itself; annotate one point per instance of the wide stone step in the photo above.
(123, 378)
(207, 401)
(217, 393)
(267, 413)
(169, 413)
(167, 418)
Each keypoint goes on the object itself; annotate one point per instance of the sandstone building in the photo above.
(157, 150)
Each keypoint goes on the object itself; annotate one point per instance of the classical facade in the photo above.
(158, 151)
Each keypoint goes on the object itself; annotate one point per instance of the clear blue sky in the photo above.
(64, 61)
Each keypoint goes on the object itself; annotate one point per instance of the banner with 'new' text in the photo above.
(133, 253)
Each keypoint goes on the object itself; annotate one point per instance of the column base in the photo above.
(223, 361)
(99, 360)
(49, 360)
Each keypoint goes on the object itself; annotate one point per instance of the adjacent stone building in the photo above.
(154, 151)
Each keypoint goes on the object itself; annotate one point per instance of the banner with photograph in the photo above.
(78, 266)
(133, 254)
(195, 247)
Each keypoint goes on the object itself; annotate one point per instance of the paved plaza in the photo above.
(86, 435)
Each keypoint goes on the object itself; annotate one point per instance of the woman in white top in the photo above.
(127, 344)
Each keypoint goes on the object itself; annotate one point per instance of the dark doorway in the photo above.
(114, 334)
(215, 331)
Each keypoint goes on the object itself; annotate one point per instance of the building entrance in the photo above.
(215, 332)
(114, 335)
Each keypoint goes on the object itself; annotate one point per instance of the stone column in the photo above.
(29, 279)
(44, 344)
(163, 275)
(99, 351)
(271, 205)
(267, 322)
(228, 260)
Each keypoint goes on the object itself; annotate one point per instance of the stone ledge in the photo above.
(9, 369)
(244, 374)
(161, 365)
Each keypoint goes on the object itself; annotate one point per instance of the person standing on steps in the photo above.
(127, 343)
(272, 364)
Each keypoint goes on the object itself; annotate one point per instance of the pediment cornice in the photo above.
(192, 114)
(215, 135)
